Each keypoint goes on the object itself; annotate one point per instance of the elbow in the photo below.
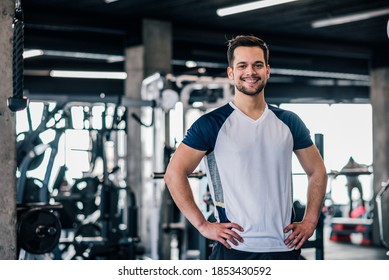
(168, 177)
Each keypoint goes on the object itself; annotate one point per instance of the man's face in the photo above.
(249, 71)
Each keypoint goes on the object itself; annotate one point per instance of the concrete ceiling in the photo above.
(64, 27)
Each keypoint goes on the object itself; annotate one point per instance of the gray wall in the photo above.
(7, 137)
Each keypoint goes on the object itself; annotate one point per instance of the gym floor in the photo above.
(346, 251)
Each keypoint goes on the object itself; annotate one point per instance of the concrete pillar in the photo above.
(380, 101)
(7, 137)
(134, 68)
(153, 55)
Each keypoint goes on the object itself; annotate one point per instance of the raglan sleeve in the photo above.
(199, 136)
(301, 134)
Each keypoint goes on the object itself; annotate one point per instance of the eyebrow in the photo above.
(256, 62)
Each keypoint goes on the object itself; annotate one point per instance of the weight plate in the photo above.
(38, 231)
(83, 233)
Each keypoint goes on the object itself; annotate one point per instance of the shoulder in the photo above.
(220, 113)
(300, 133)
(284, 115)
(203, 132)
(213, 119)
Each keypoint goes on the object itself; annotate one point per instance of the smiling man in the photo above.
(247, 146)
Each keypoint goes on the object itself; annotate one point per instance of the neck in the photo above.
(252, 106)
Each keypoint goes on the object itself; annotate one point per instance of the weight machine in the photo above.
(359, 218)
(105, 224)
(45, 214)
(380, 194)
(38, 225)
(102, 230)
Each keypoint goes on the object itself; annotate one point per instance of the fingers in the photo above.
(288, 228)
(295, 241)
(291, 237)
(227, 234)
(233, 225)
(299, 235)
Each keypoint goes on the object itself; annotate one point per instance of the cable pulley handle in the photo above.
(18, 11)
(18, 102)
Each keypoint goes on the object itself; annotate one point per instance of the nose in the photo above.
(250, 70)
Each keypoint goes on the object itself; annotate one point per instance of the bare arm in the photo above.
(183, 162)
(312, 163)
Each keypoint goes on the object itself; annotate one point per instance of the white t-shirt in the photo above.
(249, 170)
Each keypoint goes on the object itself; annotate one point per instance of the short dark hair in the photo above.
(246, 41)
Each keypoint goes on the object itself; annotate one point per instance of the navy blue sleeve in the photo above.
(301, 135)
(203, 132)
(199, 135)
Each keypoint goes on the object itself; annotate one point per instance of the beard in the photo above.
(251, 91)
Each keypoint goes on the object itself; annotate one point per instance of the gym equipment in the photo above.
(342, 228)
(198, 175)
(87, 236)
(178, 238)
(204, 93)
(359, 220)
(38, 228)
(18, 102)
(380, 194)
(30, 154)
(101, 213)
(111, 210)
(28, 140)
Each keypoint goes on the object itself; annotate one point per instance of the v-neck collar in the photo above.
(243, 115)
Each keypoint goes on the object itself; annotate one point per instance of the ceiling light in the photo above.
(32, 53)
(249, 7)
(349, 18)
(81, 55)
(202, 70)
(320, 74)
(88, 74)
(190, 64)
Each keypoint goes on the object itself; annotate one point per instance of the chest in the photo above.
(245, 137)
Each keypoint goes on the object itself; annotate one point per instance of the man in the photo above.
(352, 170)
(247, 146)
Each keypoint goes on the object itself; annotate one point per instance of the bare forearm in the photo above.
(317, 185)
(183, 197)
(183, 163)
(302, 231)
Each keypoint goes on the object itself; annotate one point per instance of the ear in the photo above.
(268, 71)
(230, 73)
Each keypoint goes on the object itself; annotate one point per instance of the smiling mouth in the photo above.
(251, 80)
